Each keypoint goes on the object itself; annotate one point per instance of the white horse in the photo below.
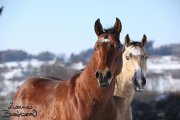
(132, 77)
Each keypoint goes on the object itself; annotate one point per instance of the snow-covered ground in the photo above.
(163, 83)
(25, 64)
(78, 66)
(163, 63)
(10, 87)
(160, 84)
(17, 69)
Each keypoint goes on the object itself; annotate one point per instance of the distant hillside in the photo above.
(84, 56)
(20, 55)
(164, 50)
(172, 49)
(13, 55)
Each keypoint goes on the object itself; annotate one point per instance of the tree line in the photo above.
(84, 56)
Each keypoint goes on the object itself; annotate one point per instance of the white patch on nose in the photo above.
(105, 40)
(136, 51)
(138, 74)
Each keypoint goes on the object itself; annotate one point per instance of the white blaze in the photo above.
(105, 40)
(138, 75)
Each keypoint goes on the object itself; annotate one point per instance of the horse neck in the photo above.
(89, 84)
(124, 86)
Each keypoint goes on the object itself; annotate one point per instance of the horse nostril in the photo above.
(143, 81)
(97, 74)
(108, 75)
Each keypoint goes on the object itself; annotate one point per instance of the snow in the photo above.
(161, 66)
(10, 87)
(10, 64)
(163, 63)
(161, 84)
(24, 64)
(12, 73)
(33, 63)
(78, 66)
(16, 69)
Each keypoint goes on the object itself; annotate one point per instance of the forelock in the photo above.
(135, 51)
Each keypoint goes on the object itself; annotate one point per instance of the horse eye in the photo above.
(127, 57)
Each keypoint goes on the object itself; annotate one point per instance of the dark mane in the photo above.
(110, 30)
(135, 43)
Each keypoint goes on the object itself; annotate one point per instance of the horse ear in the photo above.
(144, 40)
(127, 40)
(98, 27)
(117, 26)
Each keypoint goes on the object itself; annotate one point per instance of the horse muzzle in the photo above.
(139, 84)
(104, 79)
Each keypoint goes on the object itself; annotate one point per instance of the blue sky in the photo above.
(64, 26)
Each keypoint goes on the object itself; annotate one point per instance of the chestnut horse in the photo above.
(86, 96)
(132, 77)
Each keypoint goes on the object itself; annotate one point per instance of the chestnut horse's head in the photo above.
(108, 51)
(135, 60)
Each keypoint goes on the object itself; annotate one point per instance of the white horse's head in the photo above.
(135, 60)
